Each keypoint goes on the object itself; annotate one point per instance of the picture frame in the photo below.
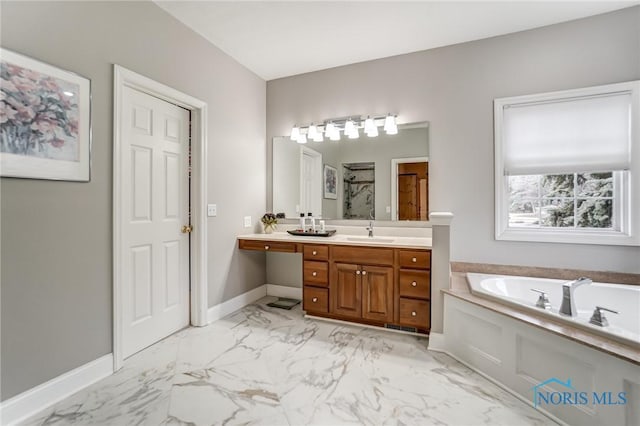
(45, 120)
(330, 182)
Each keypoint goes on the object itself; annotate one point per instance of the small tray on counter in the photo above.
(301, 233)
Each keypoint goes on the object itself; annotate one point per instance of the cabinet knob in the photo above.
(315, 252)
(357, 272)
(414, 260)
(314, 273)
(314, 300)
(266, 247)
(413, 313)
(413, 284)
(364, 272)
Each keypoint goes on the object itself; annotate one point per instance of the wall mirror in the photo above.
(380, 178)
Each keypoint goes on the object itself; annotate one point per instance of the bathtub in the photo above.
(516, 291)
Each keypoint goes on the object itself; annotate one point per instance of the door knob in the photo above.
(364, 272)
(315, 252)
(186, 229)
(414, 260)
(314, 273)
(413, 313)
(413, 284)
(357, 272)
(314, 300)
(266, 247)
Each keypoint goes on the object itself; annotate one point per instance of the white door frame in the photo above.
(122, 78)
(394, 180)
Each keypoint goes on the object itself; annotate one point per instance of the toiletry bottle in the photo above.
(302, 221)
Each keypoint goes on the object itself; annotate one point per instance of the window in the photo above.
(568, 166)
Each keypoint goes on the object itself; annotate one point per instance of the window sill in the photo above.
(609, 238)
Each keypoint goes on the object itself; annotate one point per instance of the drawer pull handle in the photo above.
(266, 247)
(413, 284)
(314, 273)
(357, 272)
(413, 313)
(364, 272)
(314, 300)
(315, 252)
(414, 260)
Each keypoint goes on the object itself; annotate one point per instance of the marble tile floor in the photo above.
(267, 366)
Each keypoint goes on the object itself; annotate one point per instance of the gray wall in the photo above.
(453, 88)
(56, 236)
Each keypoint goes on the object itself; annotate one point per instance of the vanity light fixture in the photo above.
(349, 126)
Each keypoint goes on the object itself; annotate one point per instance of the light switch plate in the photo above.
(212, 210)
(247, 221)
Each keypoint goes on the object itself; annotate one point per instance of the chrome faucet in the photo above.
(568, 306)
(370, 229)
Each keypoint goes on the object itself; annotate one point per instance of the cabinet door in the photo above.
(345, 290)
(377, 293)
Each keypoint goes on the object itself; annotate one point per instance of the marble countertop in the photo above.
(347, 240)
(460, 289)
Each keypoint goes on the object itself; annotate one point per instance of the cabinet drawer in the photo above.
(416, 259)
(283, 246)
(415, 313)
(362, 255)
(316, 252)
(415, 283)
(315, 299)
(316, 273)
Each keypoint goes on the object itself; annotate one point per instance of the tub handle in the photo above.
(543, 300)
(598, 317)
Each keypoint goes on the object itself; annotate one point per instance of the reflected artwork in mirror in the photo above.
(380, 178)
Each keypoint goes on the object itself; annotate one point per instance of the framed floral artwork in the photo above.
(330, 182)
(45, 120)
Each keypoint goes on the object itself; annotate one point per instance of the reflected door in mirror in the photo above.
(413, 192)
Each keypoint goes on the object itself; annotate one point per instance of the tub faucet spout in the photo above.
(568, 306)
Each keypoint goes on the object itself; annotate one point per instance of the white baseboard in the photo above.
(437, 342)
(284, 291)
(225, 308)
(30, 402)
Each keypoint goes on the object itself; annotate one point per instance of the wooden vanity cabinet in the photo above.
(380, 286)
(315, 278)
(414, 288)
(361, 283)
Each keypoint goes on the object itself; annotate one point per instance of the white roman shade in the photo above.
(566, 135)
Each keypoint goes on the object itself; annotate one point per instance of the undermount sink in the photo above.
(370, 239)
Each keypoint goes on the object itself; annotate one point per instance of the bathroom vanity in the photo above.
(382, 281)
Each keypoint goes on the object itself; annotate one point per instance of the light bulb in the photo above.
(302, 138)
(369, 125)
(349, 127)
(335, 134)
(318, 137)
(390, 126)
(373, 132)
(312, 132)
(354, 133)
(295, 133)
(329, 129)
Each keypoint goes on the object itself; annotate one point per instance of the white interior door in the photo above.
(155, 207)
(311, 182)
